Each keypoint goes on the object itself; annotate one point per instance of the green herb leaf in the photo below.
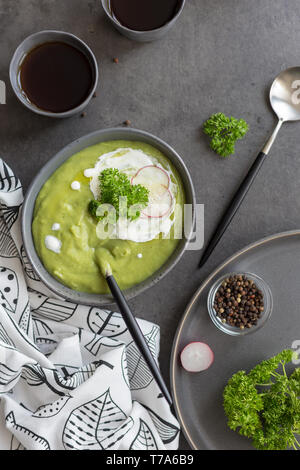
(264, 404)
(224, 132)
(115, 185)
(93, 206)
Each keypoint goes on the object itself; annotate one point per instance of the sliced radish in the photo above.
(151, 175)
(157, 181)
(159, 204)
(156, 190)
(196, 357)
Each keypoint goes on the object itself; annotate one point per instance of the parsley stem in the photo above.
(296, 443)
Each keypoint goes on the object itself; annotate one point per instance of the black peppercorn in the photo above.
(238, 302)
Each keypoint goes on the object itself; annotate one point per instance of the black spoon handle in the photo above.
(233, 207)
(138, 336)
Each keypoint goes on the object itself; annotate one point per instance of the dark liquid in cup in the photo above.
(56, 77)
(144, 15)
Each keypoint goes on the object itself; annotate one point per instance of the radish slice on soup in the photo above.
(151, 175)
(157, 181)
(159, 205)
(196, 357)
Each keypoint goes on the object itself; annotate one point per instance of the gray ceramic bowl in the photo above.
(61, 157)
(39, 38)
(141, 36)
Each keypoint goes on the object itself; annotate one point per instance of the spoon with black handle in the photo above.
(285, 101)
(131, 323)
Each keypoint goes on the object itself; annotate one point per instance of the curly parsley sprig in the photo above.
(114, 186)
(224, 132)
(264, 405)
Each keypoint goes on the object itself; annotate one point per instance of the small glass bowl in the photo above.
(234, 330)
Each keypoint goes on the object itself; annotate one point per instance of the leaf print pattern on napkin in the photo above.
(97, 424)
(70, 382)
(35, 376)
(40, 328)
(27, 266)
(51, 409)
(98, 343)
(106, 323)
(144, 440)
(124, 368)
(138, 371)
(166, 430)
(4, 338)
(25, 319)
(9, 290)
(15, 444)
(8, 181)
(26, 434)
(59, 380)
(55, 309)
(8, 376)
(10, 214)
(8, 248)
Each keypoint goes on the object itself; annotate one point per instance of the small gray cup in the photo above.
(141, 36)
(40, 38)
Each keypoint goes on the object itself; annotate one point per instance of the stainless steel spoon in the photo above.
(285, 101)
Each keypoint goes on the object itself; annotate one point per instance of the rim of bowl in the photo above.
(105, 5)
(14, 74)
(51, 166)
(232, 330)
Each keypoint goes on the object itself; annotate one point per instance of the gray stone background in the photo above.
(222, 55)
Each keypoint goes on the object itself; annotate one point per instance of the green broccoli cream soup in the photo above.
(68, 229)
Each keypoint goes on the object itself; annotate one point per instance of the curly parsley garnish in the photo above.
(224, 132)
(115, 185)
(264, 405)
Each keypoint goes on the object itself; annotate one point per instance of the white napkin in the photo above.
(70, 375)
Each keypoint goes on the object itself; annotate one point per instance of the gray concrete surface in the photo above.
(221, 56)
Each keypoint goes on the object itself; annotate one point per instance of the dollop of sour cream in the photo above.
(55, 226)
(52, 243)
(129, 161)
(75, 185)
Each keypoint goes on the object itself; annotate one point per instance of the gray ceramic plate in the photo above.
(198, 397)
(61, 157)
